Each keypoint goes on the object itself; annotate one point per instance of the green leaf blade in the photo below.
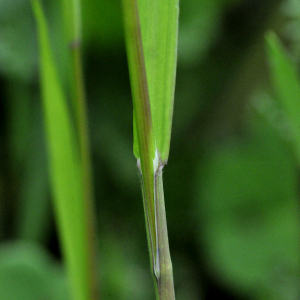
(159, 28)
(287, 85)
(144, 144)
(65, 166)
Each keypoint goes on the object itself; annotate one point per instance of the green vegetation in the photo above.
(68, 158)
(232, 179)
(151, 30)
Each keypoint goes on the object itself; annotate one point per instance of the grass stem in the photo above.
(165, 283)
(73, 42)
(149, 161)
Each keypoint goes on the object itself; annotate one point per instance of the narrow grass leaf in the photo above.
(144, 145)
(65, 167)
(159, 28)
(287, 85)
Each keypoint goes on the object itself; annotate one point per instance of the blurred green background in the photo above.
(231, 183)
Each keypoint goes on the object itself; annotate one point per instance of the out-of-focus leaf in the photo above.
(249, 218)
(28, 273)
(121, 270)
(17, 43)
(286, 83)
(27, 152)
(205, 16)
(65, 167)
(33, 220)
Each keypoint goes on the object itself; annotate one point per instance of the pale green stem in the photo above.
(165, 281)
(160, 255)
(84, 146)
(72, 21)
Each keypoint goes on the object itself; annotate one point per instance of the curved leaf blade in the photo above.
(65, 166)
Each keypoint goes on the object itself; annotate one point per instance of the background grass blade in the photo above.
(65, 167)
(287, 85)
(159, 28)
(72, 41)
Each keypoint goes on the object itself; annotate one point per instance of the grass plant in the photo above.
(68, 153)
(151, 40)
(151, 33)
(235, 149)
(151, 36)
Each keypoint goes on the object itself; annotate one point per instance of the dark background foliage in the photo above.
(231, 181)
